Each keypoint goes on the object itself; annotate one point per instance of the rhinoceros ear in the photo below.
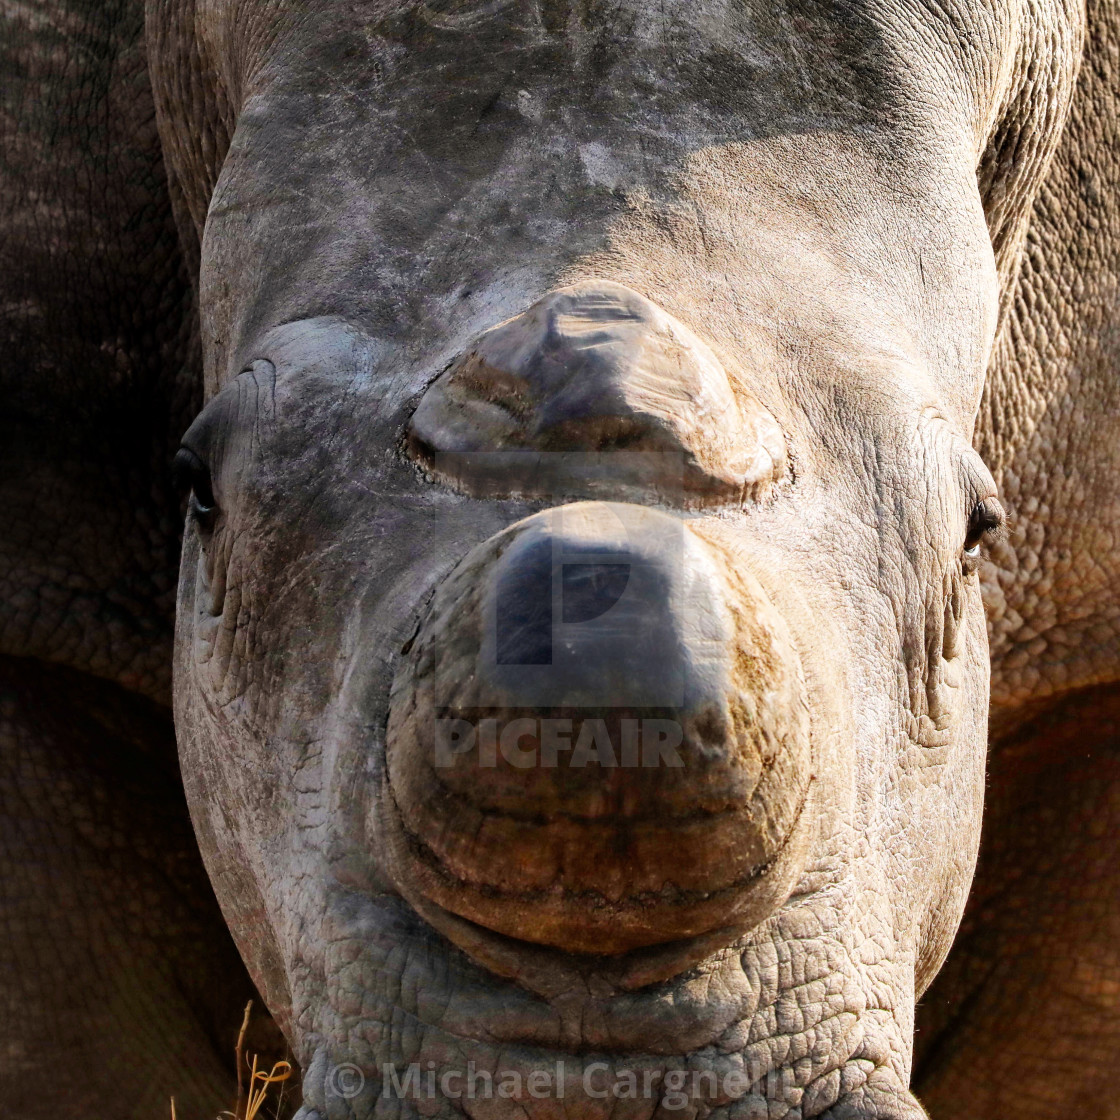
(194, 114)
(1025, 131)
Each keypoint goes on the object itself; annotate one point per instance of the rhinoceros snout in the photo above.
(599, 739)
(609, 395)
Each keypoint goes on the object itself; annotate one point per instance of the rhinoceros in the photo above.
(603, 486)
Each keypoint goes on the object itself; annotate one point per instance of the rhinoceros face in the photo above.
(580, 651)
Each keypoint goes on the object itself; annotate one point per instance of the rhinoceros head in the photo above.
(581, 667)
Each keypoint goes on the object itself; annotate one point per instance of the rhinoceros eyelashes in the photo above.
(985, 524)
(192, 475)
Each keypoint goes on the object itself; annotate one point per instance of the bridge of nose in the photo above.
(594, 391)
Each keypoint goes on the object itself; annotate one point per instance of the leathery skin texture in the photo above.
(601, 418)
(1031, 987)
(113, 945)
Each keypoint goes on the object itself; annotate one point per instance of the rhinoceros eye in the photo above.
(985, 524)
(192, 476)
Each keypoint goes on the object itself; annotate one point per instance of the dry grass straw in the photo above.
(251, 1098)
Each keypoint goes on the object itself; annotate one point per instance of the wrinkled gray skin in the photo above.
(835, 201)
